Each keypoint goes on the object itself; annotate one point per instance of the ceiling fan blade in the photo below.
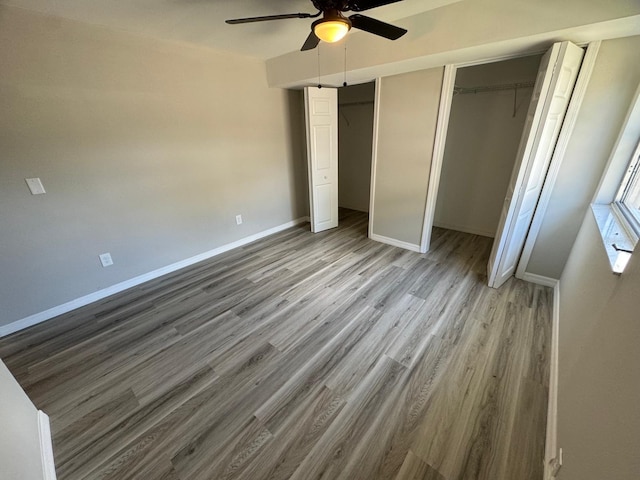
(362, 5)
(267, 18)
(311, 42)
(376, 27)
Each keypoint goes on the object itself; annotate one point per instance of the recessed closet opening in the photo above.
(355, 140)
(487, 118)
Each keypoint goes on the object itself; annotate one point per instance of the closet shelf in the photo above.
(492, 88)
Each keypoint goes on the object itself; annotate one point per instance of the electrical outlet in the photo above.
(106, 259)
(238, 219)
(35, 185)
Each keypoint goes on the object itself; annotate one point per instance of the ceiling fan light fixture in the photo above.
(334, 26)
(331, 30)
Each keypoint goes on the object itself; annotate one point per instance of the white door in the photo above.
(321, 114)
(556, 78)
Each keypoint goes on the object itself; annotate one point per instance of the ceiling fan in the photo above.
(333, 25)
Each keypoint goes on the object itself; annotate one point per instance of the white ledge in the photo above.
(615, 237)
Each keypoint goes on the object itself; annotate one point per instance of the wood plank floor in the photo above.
(300, 356)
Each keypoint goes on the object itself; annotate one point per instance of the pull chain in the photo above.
(319, 84)
(344, 84)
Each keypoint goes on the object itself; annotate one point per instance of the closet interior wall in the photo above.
(355, 138)
(482, 143)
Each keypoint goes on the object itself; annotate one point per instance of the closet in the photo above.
(355, 138)
(488, 114)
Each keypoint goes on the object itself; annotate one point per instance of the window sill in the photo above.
(615, 237)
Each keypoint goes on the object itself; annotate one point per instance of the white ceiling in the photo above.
(202, 21)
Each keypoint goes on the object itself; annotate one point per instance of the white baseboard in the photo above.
(46, 447)
(461, 228)
(119, 287)
(394, 242)
(551, 441)
(357, 209)
(539, 280)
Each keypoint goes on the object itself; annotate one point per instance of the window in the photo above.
(627, 201)
(619, 223)
(617, 202)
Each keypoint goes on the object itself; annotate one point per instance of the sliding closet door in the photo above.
(321, 114)
(556, 78)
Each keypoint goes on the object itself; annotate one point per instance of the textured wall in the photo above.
(147, 150)
(599, 364)
(408, 112)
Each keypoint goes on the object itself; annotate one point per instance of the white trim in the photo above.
(551, 441)
(627, 220)
(46, 447)
(539, 280)
(627, 217)
(308, 145)
(396, 243)
(119, 287)
(446, 97)
(631, 171)
(374, 152)
(614, 235)
(465, 229)
(505, 57)
(562, 143)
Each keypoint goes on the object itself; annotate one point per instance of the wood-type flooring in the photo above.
(301, 356)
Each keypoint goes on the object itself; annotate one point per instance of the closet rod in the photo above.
(351, 104)
(492, 88)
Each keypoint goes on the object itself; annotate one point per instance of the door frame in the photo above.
(374, 139)
(442, 125)
(437, 158)
(556, 78)
(374, 153)
(588, 62)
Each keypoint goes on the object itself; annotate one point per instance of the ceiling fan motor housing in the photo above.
(350, 5)
(331, 15)
(325, 5)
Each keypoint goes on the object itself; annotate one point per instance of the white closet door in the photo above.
(321, 113)
(556, 78)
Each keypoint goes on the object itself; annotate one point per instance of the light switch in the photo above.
(35, 185)
(106, 259)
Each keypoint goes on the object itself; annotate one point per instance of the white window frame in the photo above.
(629, 217)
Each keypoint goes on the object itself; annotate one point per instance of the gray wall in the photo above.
(408, 112)
(20, 457)
(599, 364)
(599, 329)
(613, 83)
(147, 150)
(355, 136)
(481, 147)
